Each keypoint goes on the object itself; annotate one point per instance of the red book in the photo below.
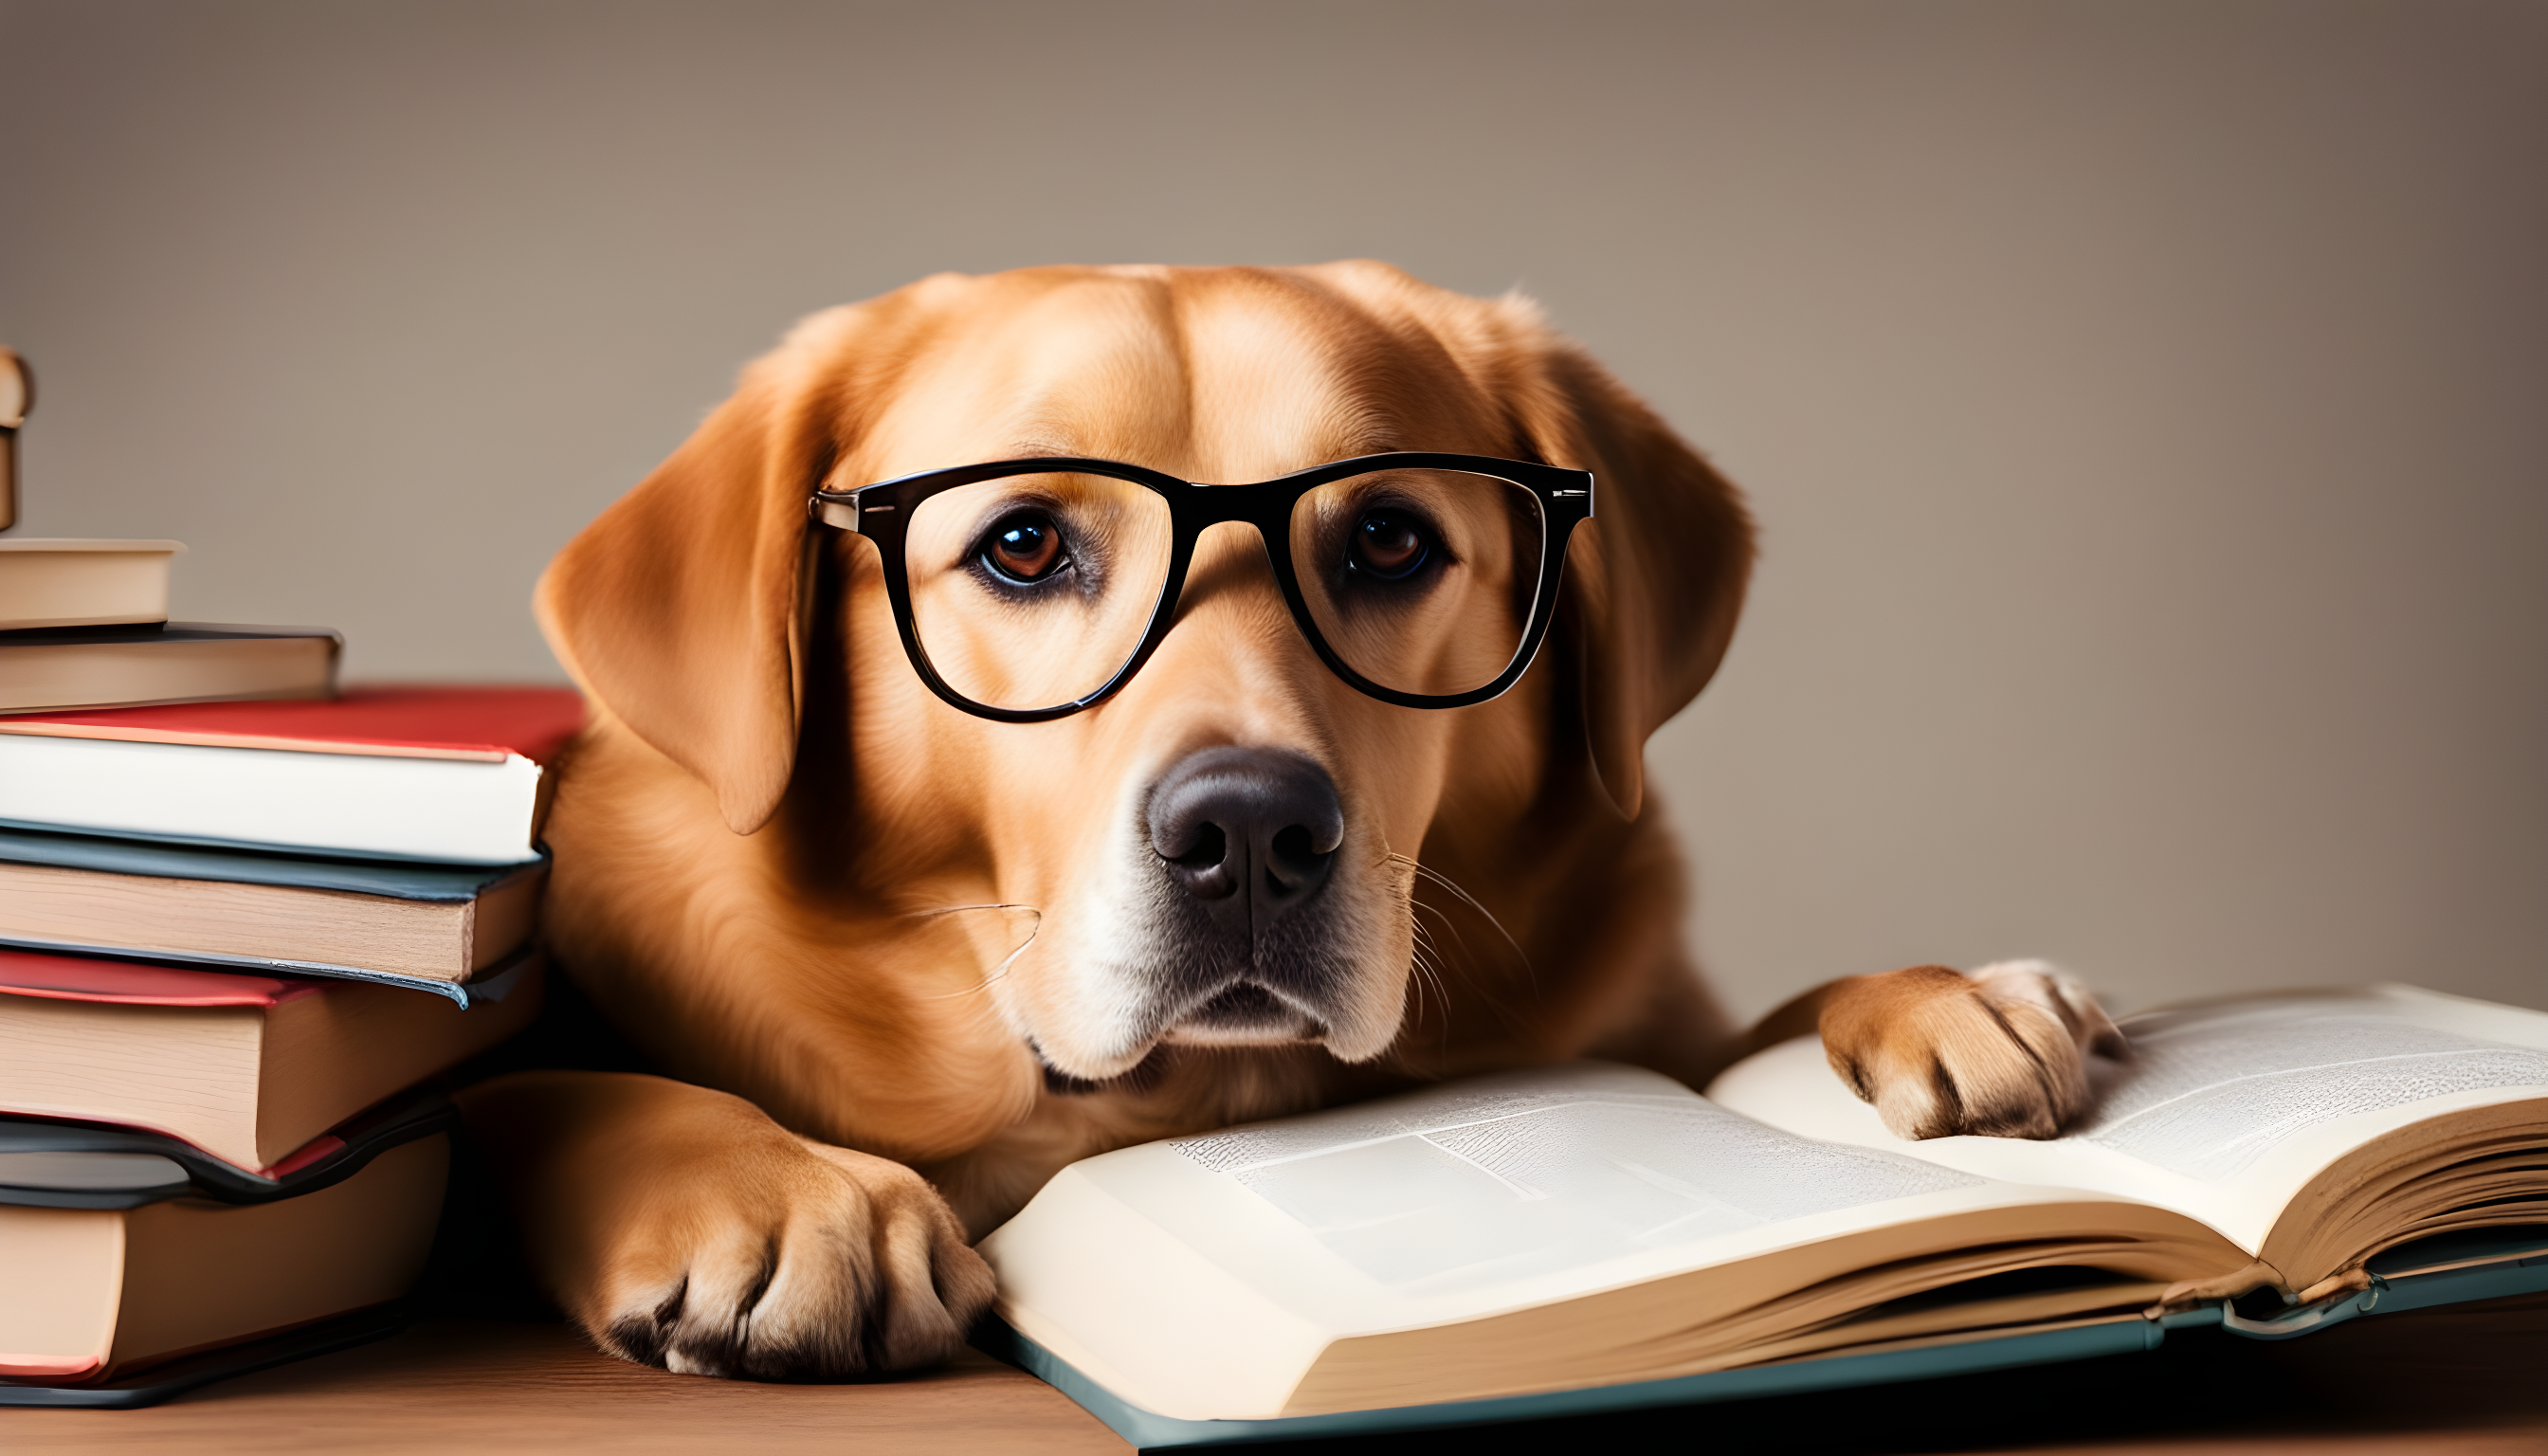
(485, 723)
(129, 984)
(444, 773)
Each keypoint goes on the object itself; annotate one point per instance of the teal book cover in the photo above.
(453, 910)
(2450, 1270)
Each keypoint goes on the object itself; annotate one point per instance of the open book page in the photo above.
(2224, 1111)
(1207, 1273)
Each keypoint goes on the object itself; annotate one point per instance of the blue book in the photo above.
(1593, 1237)
(441, 928)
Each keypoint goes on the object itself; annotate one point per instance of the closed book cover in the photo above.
(247, 1067)
(95, 1293)
(449, 774)
(337, 917)
(52, 1163)
(180, 663)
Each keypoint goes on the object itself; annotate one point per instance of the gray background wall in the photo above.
(2147, 402)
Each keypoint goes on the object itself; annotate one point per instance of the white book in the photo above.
(457, 810)
(448, 773)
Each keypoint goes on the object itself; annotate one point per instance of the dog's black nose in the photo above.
(1253, 829)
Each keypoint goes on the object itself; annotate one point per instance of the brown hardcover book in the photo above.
(439, 923)
(183, 662)
(249, 1068)
(83, 583)
(95, 1291)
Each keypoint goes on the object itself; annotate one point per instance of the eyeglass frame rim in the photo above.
(1565, 497)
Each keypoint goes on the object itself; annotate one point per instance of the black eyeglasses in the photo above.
(1028, 589)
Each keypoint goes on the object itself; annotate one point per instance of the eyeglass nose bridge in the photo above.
(1266, 506)
(1196, 510)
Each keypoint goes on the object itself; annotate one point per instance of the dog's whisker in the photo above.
(1436, 876)
(1427, 973)
(1428, 873)
(961, 909)
(1483, 989)
(1424, 961)
(997, 971)
(1431, 970)
(1458, 949)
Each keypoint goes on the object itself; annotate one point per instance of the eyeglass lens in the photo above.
(1030, 591)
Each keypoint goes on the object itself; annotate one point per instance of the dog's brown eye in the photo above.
(1390, 545)
(1024, 548)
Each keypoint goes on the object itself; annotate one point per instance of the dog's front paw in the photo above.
(681, 1228)
(2001, 1052)
(793, 1261)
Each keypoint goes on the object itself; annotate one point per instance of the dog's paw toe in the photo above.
(1938, 1052)
(803, 1262)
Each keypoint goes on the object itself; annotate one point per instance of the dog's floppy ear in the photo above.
(1654, 581)
(680, 607)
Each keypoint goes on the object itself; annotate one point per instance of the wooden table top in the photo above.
(2463, 1381)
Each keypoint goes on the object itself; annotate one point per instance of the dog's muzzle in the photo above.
(1247, 838)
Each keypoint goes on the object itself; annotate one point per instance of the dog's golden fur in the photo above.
(875, 924)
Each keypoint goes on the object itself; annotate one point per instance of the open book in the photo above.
(1595, 1226)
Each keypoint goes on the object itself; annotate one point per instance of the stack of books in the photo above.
(85, 624)
(240, 932)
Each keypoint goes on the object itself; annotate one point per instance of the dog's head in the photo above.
(1225, 851)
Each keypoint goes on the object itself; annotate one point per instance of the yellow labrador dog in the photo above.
(966, 792)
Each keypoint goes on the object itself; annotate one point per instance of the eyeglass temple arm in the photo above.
(841, 508)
